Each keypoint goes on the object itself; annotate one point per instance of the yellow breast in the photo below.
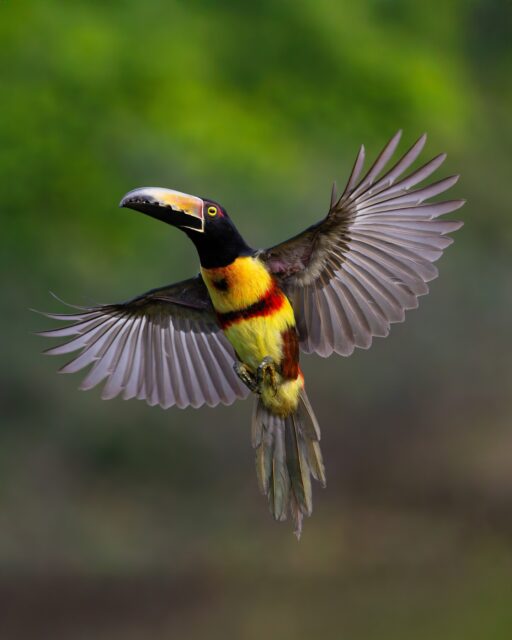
(255, 314)
(238, 285)
(252, 309)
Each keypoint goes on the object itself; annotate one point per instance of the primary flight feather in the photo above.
(239, 325)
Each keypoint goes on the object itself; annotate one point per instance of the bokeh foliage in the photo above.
(259, 105)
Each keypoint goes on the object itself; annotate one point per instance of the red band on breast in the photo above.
(271, 302)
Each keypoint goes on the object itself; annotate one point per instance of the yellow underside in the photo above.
(255, 338)
(285, 400)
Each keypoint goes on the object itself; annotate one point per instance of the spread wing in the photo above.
(355, 272)
(164, 347)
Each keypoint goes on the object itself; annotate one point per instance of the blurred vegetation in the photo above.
(122, 521)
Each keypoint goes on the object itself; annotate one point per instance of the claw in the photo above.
(267, 374)
(246, 376)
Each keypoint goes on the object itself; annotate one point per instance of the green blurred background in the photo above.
(118, 520)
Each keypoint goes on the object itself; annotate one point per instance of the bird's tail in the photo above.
(287, 455)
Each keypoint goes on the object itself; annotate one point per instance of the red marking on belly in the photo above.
(290, 360)
(271, 302)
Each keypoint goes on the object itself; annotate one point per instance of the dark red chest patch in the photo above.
(290, 360)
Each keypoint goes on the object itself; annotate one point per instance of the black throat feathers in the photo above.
(220, 244)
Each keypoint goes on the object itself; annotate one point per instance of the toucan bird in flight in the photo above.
(239, 326)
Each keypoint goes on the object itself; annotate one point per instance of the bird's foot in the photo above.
(246, 376)
(266, 374)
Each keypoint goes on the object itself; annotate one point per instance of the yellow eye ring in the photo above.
(212, 211)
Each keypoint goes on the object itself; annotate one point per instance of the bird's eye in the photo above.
(212, 211)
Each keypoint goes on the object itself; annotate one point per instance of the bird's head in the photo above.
(205, 222)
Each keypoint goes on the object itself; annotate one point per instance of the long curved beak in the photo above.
(173, 207)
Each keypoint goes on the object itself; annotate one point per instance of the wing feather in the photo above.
(354, 273)
(164, 347)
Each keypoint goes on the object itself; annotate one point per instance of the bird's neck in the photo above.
(220, 250)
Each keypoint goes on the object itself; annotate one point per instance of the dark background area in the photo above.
(118, 520)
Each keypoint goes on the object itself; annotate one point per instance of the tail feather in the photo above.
(312, 438)
(316, 463)
(297, 463)
(287, 455)
(279, 490)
